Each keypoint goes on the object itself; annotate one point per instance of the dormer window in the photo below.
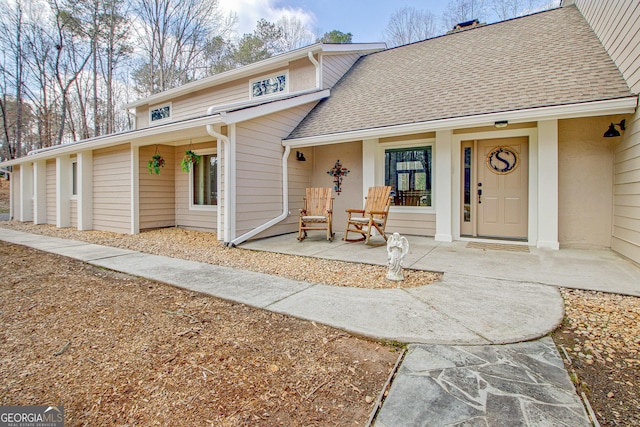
(269, 85)
(160, 112)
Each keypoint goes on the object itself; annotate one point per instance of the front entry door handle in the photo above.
(479, 193)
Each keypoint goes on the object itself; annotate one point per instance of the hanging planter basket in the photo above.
(156, 163)
(190, 158)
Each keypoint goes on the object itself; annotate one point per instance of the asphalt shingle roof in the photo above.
(546, 59)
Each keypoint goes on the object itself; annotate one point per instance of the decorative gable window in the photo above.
(160, 112)
(269, 85)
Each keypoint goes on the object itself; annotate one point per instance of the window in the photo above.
(160, 112)
(204, 181)
(74, 178)
(269, 86)
(408, 172)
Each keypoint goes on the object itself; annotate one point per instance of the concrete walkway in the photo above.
(456, 374)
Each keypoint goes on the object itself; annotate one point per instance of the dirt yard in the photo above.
(143, 353)
(122, 351)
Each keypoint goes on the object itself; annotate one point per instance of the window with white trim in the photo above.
(270, 85)
(159, 113)
(409, 171)
(203, 182)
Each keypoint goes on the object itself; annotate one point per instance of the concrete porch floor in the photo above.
(590, 269)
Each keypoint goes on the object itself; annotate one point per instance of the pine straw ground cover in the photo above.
(600, 332)
(116, 350)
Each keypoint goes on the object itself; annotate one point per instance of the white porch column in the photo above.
(230, 186)
(548, 184)
(40, 192)
(26, 192)
(63, 192)
(85, 190)
(135, 189)
(443, 166)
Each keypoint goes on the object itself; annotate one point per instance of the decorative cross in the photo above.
(337, 172)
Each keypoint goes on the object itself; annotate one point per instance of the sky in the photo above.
(365, 19)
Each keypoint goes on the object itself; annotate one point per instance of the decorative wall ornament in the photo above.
(338, 172)
(502, 160)
(397, 249)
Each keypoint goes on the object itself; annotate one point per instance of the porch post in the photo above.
(548, 184)
(135, 189)
(26, 192)
(443, 185)
(63, 192)
(40, 192)
(85, 190)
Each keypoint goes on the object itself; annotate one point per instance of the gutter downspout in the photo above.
(227, 182)
(317, 65)
(285, 204)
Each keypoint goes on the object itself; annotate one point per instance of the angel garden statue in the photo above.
(397, 249)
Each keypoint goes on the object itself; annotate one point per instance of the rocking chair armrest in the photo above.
(360, 211)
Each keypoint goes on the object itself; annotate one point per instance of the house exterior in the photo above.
(492, 132)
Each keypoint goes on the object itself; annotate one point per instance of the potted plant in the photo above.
(189, 158)
(156, 162)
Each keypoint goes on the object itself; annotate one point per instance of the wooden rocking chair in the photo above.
(317, 213)
(373, 216)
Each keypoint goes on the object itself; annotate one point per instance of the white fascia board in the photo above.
(587, 109)
(257, 67)
(110, 140)
(272, 107)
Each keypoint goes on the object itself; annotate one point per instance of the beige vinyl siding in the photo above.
(626, 209)
(51, 192)
(73, 213)
(335, 66)
(157, 192)
(185, 217)
(617, 25)
(415, 224)
(259, 170)
(112, 189)
(15, 191)
(302, 75)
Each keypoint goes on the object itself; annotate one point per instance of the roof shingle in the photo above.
(546, 59)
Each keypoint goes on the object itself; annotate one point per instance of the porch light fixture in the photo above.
(612, 131)
(300, 156)
(501, 124)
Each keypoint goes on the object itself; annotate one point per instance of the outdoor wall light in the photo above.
(501, 124)
(612, 131)
(300, 156)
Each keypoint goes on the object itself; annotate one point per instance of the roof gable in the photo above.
(546, 59)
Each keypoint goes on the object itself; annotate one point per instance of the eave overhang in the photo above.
(249, 70)
(625, 105)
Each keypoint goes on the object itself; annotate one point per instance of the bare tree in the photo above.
(507, 9)
(70, 59)
(408, 25)
(174, 36)
(294, 34)
(458, 11)
(12, 70)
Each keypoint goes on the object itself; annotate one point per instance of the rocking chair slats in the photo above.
(373, 216)
(317, 213)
